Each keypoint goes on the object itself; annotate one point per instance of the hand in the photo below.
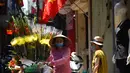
(128, 59)
(113, 59)
(47, 63)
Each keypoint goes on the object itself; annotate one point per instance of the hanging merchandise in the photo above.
(70, 27)
(40, 6)
(14, 6)
(25, 8)
(51, 8)
(33, 10)
(29, 7)
(70, 20)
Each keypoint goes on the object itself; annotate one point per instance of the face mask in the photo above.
(93, 48)
(59, 44)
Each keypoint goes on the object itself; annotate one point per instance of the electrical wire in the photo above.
(78, 7)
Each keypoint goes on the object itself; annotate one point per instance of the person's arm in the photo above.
(128, 58)
(129, 42)
(50, 57)
(97, 61)
(63, 60)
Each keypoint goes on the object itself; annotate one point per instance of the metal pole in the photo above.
(90, 32)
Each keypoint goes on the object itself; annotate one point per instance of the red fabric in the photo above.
(51, 8)
(71, 35)
(33, 10)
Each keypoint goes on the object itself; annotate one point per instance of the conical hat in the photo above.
(67, 40)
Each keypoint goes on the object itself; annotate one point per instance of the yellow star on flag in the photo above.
(51, 1)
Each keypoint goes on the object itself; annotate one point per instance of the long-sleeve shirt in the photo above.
(60, 58)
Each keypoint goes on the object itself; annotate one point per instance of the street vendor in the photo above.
(60, 54)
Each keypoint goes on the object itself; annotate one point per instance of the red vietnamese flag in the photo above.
(51, 8)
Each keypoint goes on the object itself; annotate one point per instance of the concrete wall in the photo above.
(102, 26)
(81, 37)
